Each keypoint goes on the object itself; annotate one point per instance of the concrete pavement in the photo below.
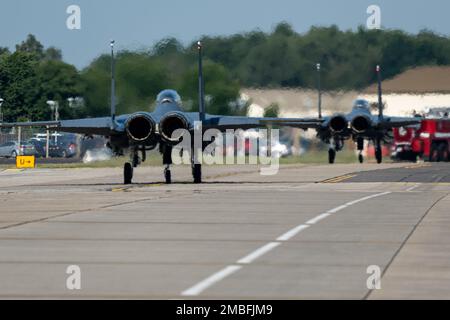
(238, 235)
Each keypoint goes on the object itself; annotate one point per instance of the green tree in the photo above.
(31, 45)
(19, 86)
(4, 50)
(221, 91)
(272, 111)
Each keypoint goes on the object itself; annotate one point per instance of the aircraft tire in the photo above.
(331, 156)
(168, 176)
(127, 173)
(434, 153)
(378, 155)
(197, 173)
(443, 152)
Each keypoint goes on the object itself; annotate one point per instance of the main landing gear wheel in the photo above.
(197, 173)
(167, 176)
(378, 155)
(434, 153)
(443, 152)
(127, 173)
(360, 158)
(331, 155)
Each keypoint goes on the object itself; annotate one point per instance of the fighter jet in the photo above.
(142, 131)
(359, 125)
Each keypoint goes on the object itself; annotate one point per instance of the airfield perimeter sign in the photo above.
(23, 162)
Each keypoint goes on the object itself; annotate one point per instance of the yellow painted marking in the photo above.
(339, 179)
(416, 166)
(25, 162)
(13, 170)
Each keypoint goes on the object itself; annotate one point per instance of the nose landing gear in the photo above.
(360, 147)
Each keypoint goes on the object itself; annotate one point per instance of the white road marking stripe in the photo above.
(413, 187)
(367, 198)
(258, 252)
(220, 275)
(216, 277)
(286, 236)
(318, 218)
(337, 209)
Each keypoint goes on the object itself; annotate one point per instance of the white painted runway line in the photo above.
(257, 253)
(413, 187)
(318, 218)
(222, 274)
(216, 277)
(286, 236)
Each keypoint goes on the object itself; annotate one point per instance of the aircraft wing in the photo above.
(396, 122)
(97, 126)
(240, 122)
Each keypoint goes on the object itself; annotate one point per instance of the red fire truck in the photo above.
(430, 140)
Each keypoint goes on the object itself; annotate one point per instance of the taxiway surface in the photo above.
(309, 232)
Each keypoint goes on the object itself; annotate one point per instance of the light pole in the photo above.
(54, 107)
(71, 100)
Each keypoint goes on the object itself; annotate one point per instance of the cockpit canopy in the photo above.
(361, 104)
(168, 96)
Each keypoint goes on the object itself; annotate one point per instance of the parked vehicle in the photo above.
(429, 141)
(12, 149)
(432, 140)
(40, 147)
(62, 149)
(401, 149)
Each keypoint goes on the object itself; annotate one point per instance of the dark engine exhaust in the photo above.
(169, 124)
(338, 124)
(140, 127)
(361, 124)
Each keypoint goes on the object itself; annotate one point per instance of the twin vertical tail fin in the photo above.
(201, 91)
(380, 97)
(113, 88)
(319, 90)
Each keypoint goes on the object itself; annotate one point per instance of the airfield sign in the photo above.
(23, 162)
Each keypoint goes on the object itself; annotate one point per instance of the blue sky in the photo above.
(136, 24)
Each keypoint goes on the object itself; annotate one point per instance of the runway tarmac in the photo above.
(309, 232)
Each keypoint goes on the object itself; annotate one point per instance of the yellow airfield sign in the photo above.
(25, 162)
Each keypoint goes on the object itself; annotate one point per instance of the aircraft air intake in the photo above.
(338, 123)
(140, 127)
(360, 124)
(169, 124)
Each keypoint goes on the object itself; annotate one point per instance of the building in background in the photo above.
(415, 90)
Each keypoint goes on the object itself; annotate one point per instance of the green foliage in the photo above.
(30, 76)
(272, 111)
(283, 58)
(18, 84)
(139, 78)
(220, 89)
(4, 50)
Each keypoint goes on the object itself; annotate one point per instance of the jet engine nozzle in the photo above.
(338, 123)
(140, 127)
(361, 124)
(169, 124)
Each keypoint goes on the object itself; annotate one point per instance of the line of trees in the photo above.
(286, 58)
(282, 58)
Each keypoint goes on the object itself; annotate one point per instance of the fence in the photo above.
(82, 144)
(13, 134)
